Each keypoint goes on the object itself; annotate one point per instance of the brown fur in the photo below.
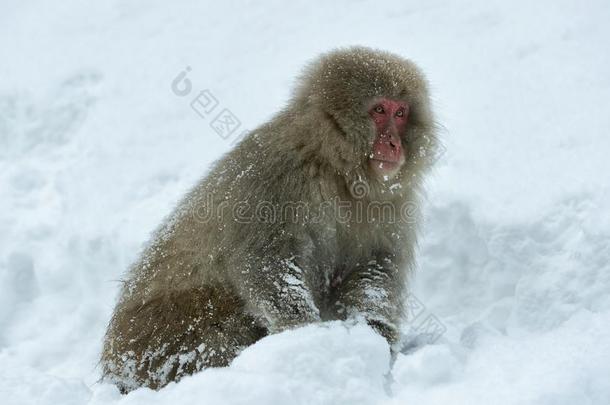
(211, 283)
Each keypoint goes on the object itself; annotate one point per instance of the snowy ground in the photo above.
(95, 149)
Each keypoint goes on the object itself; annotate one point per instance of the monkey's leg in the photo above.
(374, 291)
(176, 334)
(278, 290)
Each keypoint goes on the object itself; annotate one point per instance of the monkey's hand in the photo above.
(374, 292)
(278, 292)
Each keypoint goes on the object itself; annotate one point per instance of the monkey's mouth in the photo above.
(386, 156)
(387, 152)
(385, 164)
(388, 160)
(385, 169)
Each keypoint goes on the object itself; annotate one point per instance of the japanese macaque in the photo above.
(311, 217)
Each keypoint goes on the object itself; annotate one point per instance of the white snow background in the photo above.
(95, 149)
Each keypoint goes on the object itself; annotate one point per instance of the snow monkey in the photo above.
(311, 217)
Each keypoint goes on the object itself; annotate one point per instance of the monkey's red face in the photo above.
(390, 118)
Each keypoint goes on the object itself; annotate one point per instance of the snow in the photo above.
(96, 148)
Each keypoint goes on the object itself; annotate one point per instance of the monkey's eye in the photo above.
(379, 109)
(400, 113)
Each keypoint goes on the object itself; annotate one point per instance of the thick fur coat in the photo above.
(289, 228)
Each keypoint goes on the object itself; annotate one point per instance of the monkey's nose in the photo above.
(392, 140)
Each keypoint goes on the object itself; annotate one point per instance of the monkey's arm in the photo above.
(375, 291)
(277, 289)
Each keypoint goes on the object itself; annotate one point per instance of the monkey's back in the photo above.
(179, 310)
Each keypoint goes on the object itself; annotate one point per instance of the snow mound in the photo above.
(332, 363)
